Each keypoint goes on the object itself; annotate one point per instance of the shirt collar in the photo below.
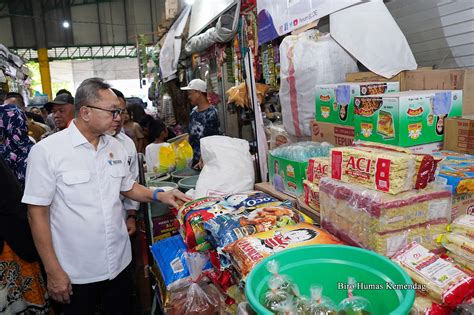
(78, 138)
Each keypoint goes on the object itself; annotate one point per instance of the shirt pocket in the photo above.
(116, 175)
(77, 184)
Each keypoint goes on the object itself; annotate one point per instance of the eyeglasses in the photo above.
(115, 112)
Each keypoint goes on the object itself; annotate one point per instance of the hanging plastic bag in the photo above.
(167, 159)
(184, 154)
(199, 297)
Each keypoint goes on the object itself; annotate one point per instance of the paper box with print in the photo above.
(406, 118)
(335, 102)
(287, 176)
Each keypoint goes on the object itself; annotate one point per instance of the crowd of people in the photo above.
(70, 197)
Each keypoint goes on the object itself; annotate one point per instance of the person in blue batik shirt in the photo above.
(204, 120)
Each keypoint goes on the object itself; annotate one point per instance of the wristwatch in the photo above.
(155, 193)
(134, 216)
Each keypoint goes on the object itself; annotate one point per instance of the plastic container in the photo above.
(158, 208)
(152, 178)
(179, 175)
(188, 183)
(330, 266)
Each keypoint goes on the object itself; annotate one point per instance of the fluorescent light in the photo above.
(66, 24)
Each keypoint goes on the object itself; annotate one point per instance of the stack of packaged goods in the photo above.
(287, 165)
(381, 198)
(317, 169)
(460, 241)
(457, 171)
(446, 285)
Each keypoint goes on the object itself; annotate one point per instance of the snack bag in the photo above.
(250, 199)
(196, 297)
(459, 245)
(425, 306)
(445, 282)
(275, 296)
(245, 253)
(193, 214)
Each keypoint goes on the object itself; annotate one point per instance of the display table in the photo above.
(268, 188)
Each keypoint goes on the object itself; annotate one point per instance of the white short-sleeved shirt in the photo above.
(132, 162)
(82, 185)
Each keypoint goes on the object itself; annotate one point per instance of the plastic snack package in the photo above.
(459, 245)
(321, 305)
(275, 296)
(249, 199)
(246, 252)
(317, 169)
(426, 306)
(197, 297)
(288, 307)
(279, 136)
(445, 282)
(284, 282)
(354, 305)
(302, 303)
(302, 151)
(462, 261)
(463, 225)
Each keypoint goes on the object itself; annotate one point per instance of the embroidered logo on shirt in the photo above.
(114, 162)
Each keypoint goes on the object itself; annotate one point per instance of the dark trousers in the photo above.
(114, 295)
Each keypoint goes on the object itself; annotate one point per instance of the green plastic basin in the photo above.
(179, 175)
(188, 183)
(152, 178)
(329, 265)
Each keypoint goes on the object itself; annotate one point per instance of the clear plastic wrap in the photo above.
(317, 169)
(459, 245)
(311, 195)
(276, 296)
(381, 167)
(354, 305)
(279, 136)
(426, 306)
(382, 222)
(302, 151)
(321, 305)
(464, 225)
(198, 298)
(445, 282)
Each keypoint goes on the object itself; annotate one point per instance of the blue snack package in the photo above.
(169, 257)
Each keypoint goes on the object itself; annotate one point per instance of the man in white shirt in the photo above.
(130, 206)
(73, 184)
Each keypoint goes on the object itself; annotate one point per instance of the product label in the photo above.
(336, 165)
(434, 269)
(176, 265)
(382, 175)
(438, 209)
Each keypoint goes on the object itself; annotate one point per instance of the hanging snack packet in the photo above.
(273, 267)
(354, 305)
(319, 304)
(445, 282)
(301, 302)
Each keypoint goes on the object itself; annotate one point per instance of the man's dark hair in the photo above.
(88, 92)
(35, 117)
(63, 91)
(16, 96)
(156, 127)
(119, 94)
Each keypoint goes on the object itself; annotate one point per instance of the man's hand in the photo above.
(131, 226)
(172, 197)
(59, 286)
(199, 165)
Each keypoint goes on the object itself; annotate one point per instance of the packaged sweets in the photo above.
(459, 245)
(321, 305)
(462, 261)
(248, 251)
(311, 195)
(381, 168)
(383, 222)
(445, 282)
(354, 305)
(457, 171)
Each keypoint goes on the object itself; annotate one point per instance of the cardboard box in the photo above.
(460, 134)
(406, 118)
(338, 135)
(428, 148)
(462, 204)
(287, 176)
(448, 79)
(335, 102)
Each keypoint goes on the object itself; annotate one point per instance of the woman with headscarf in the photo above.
(14, 141)
(22, 289)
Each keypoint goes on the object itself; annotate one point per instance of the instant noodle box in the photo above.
(287, 176)
(457, 171)
(406, 118)
(335, 102)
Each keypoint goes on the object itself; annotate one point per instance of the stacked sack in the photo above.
(381, 198)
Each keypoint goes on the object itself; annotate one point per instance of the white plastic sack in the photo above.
(369, 32)
(228, 167)
(307, 60)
